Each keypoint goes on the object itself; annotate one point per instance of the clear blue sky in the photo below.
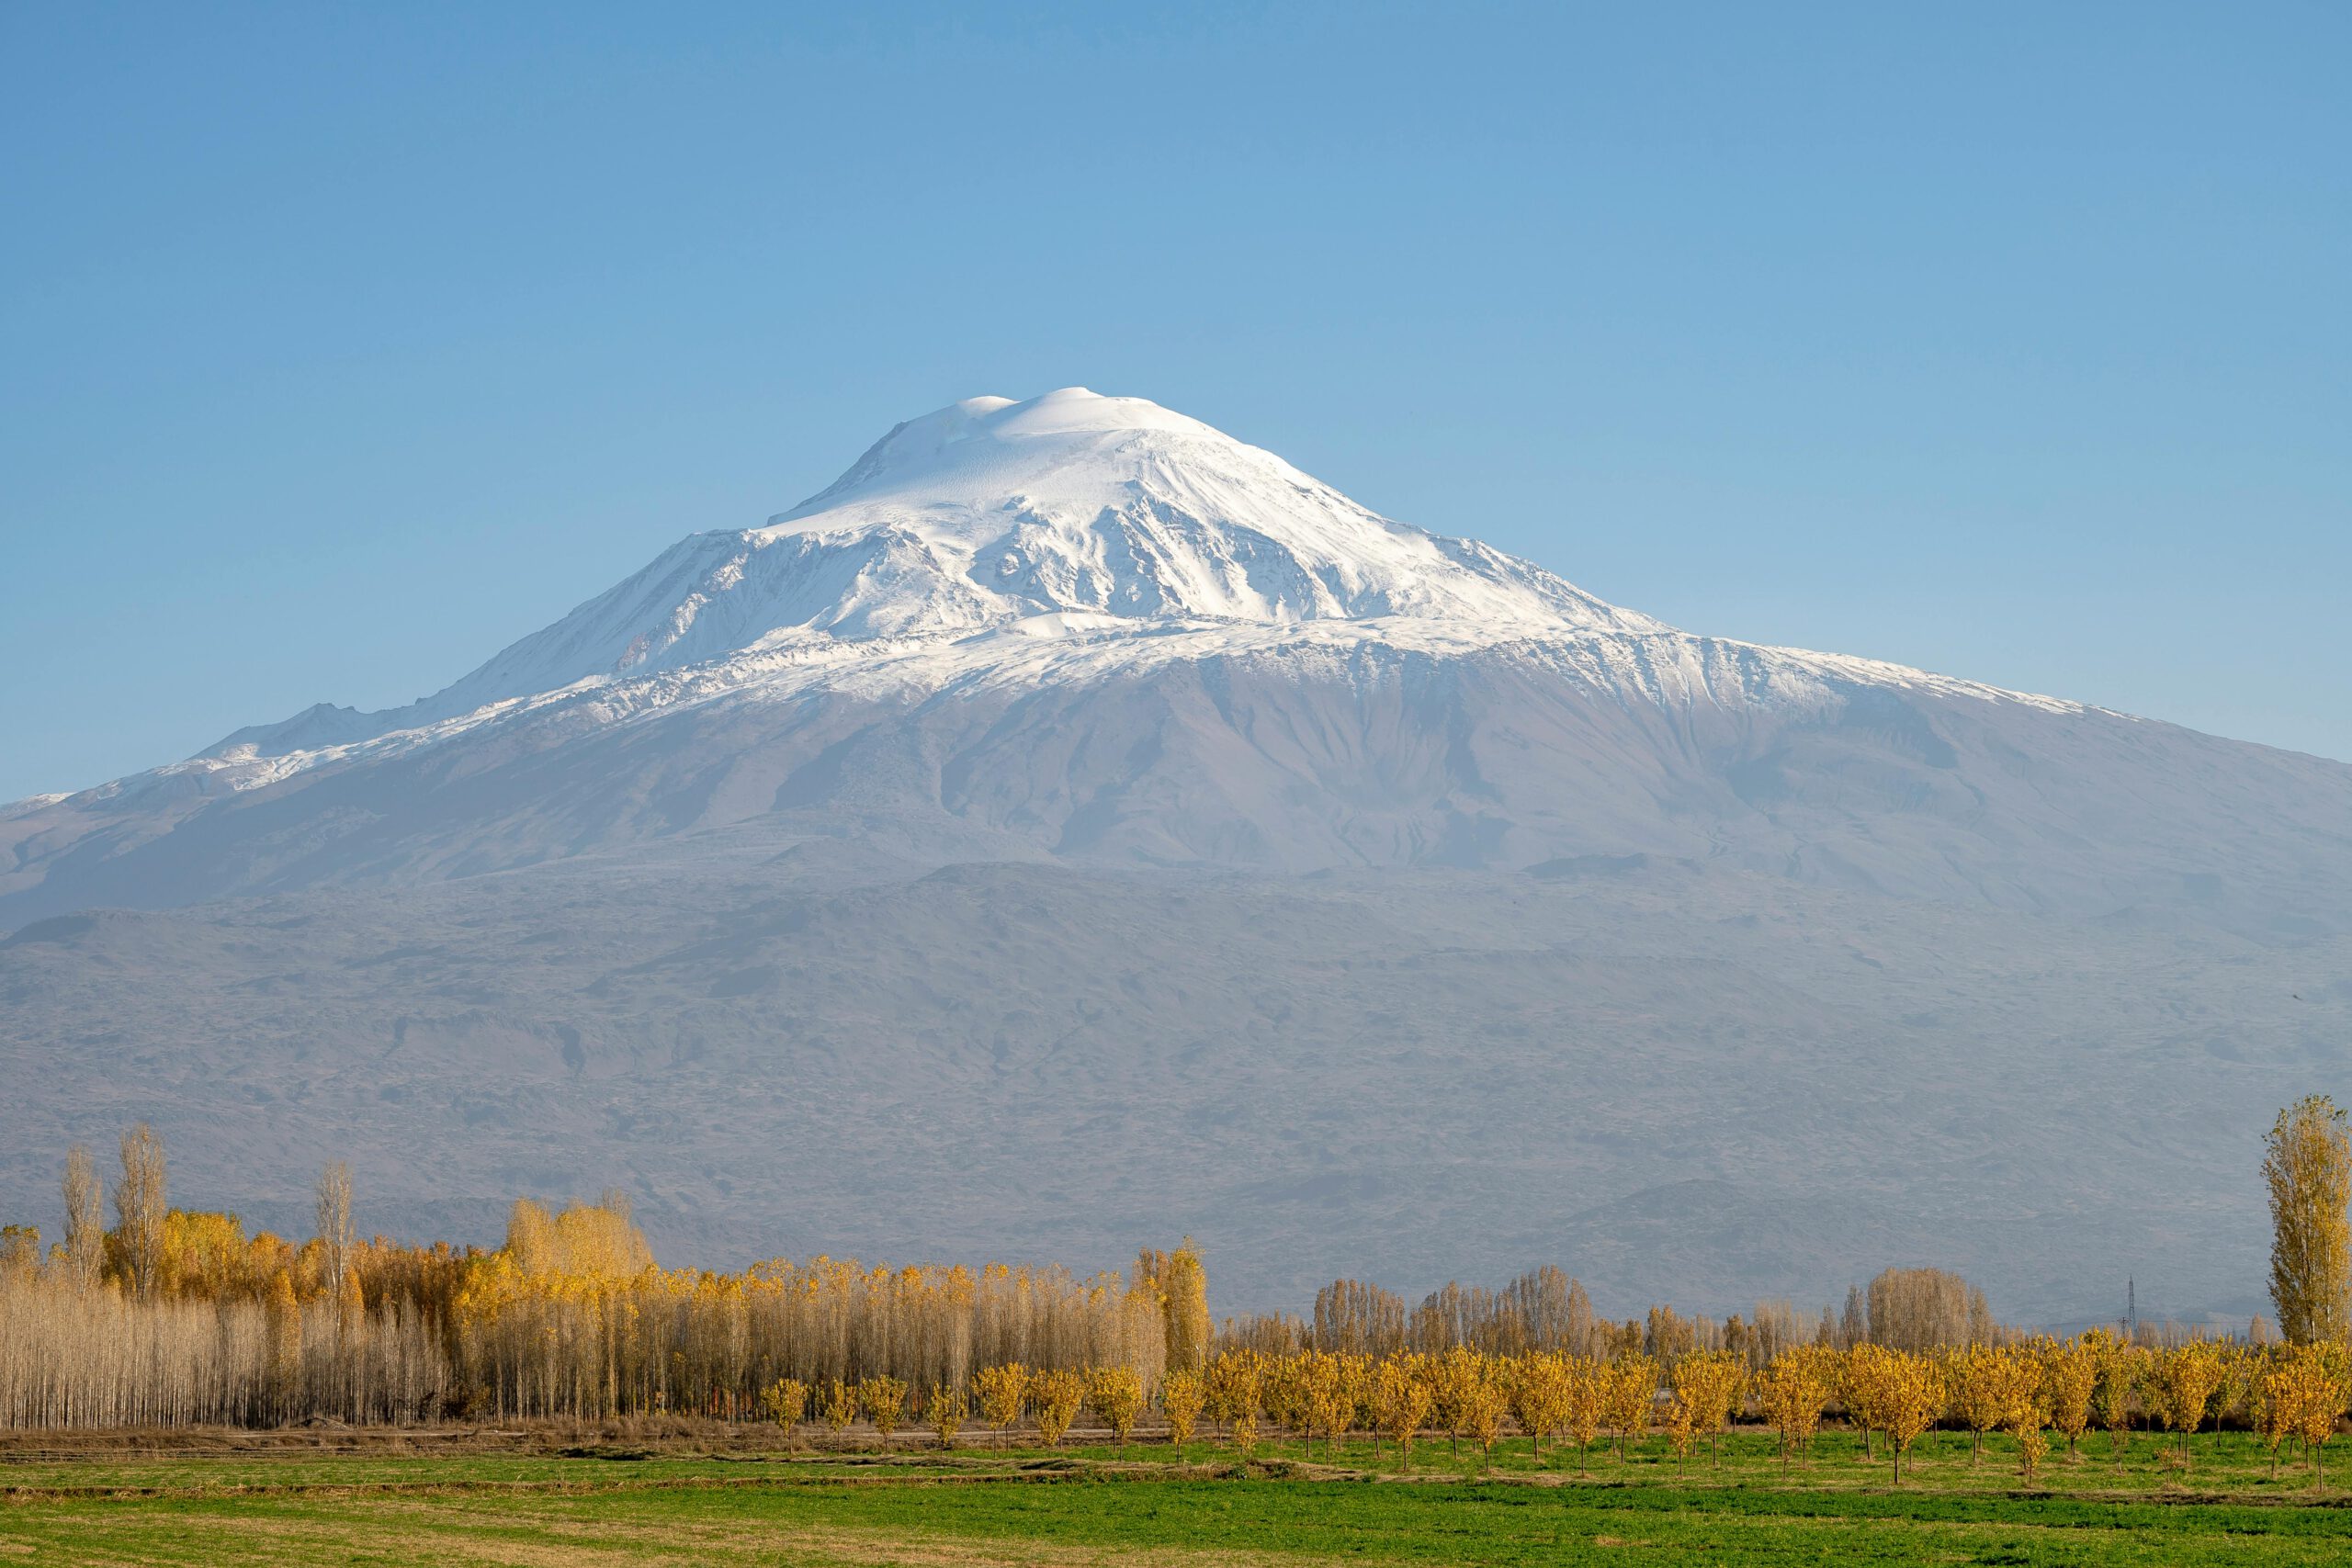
(340, 346)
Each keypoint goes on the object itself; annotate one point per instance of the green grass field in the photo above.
(1150, 1505)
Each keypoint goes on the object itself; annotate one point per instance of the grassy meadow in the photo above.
(525, 1498)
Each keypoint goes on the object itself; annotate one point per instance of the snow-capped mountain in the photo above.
(1088, 626)
(962, 536)
(837, 883)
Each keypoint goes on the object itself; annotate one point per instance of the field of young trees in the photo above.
(171, 1318)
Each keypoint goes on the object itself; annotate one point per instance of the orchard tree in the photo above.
(1180, 1395)
(2069, 1378)
(1913, 1397)
(1004, 1388)
(1056, 1396)
(1399, 1397)
(1711, 1384)
(1117, 1394)
(944, 1413)
(839, 1406)
(785, 1401)
(884, 1399)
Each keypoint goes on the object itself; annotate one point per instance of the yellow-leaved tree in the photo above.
(1181, 1285)
(1588, 1403)
(1181, 1397)
(944, 1413)
(1976, 1391)
(2307, 1163)
(2181, 1381)
(1233, 1391)
(1399, 1397)
(1004, 1389)
(1681, 1427)
(884, 1399)
(1482, 1411)
(2069, 1377)
(1791, 1391)
(1711, 1384)
(1117, 1394)
(2302, 1395)
(1327, 1396)
(2121, 1369)
(839, 1406)
(1860, 1376)
(1632, 1392)
(1455, 1378)
(1914, 1395)
(1539, 1397)
(2014, 1375)
(1054, 1396)
(785, 1401)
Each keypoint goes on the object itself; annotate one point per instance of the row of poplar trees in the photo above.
(173, 1316)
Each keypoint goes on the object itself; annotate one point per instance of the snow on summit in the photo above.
(1069, 511)
(1030, 545)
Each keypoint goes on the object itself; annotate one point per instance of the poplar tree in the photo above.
(2308, 1166)
(141, 1201)
(334, 1223)
(85, 1217)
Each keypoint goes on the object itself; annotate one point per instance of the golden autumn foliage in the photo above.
(1004, 1392)
(1631, 1395)
(2069, 1378)
(1181, 1398)
(1116, 1395)
(2121, 1370)
(837, 1407)
(1325, 1386)
(2300, 1396)
(2307, 1165)
(1710, 1385)
(1539, 1389)
(1398, 1393)
(785, 1402)
(179, 1317)
(1234, 1391)
(2180, 1381)
(1588, 1403)
(1791, 1391)
(1455, 1379)
(1179, 1284)
(884, 1400)
(1482, 1413)
(1055, 1396)
(943, 1410)
(1911, 1394)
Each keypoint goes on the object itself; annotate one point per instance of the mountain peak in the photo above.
(961, 451)
(1072, 509)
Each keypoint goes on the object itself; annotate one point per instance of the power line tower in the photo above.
(2131, 1311)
